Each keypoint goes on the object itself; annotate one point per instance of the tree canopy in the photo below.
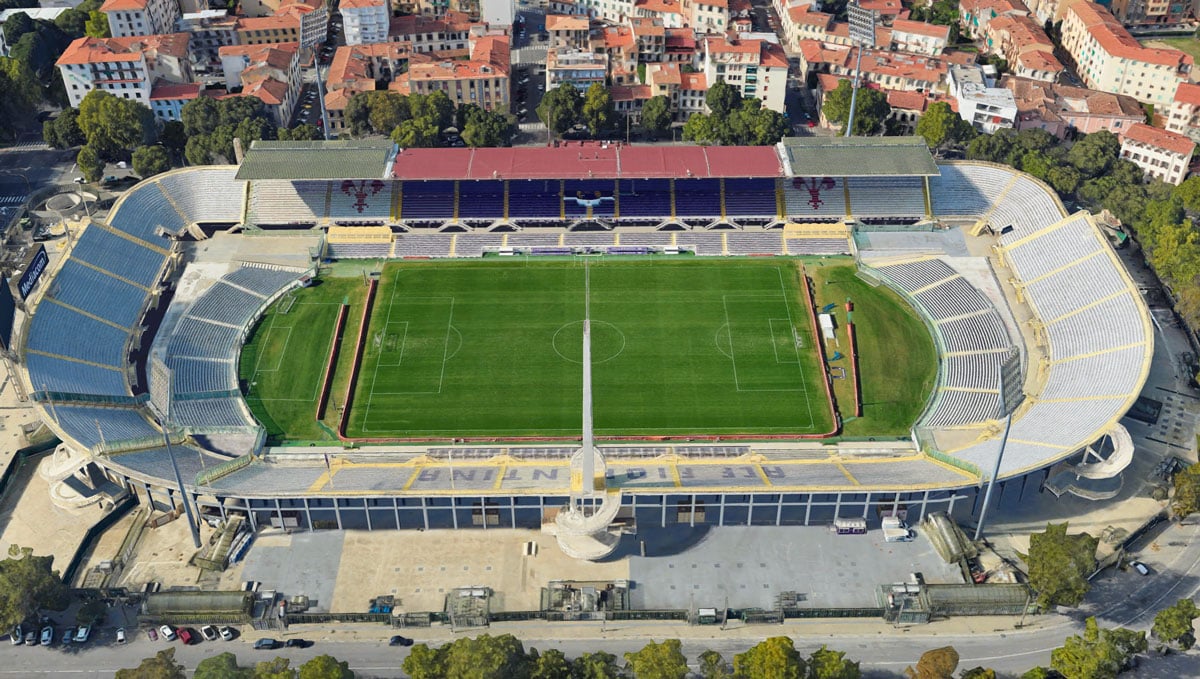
(772, 658)
(827, 664)
(656, 115)
(744, 122)
(940, 126)
(482, 657)
(211, 126)
(937, 663)
(1097, 653)
(658, 661)
(871, 109)
(597, 109)
(1059, 565)
(1187, 480)
(1173, 625)
(150, 160)
(560, 109)
(161, 666)
(28, 585)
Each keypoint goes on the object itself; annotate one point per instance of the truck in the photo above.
(895, 530)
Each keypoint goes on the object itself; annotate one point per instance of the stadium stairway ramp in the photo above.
(672, 207)
(454, 238)
(328, 198)
(174, 205)
(780, 200)
(846, 197)
(616, 199)
(457, 194)
(397, 201)
(589, 536)
(721, 191)
(562, 204)
(506, 202)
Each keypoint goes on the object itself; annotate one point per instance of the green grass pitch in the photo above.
(492, 348)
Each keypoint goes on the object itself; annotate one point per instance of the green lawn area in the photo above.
(680, 346)
(1186, 44)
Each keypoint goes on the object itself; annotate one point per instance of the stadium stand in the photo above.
(817, 246)
(586, 239)
(205, 194)
(526, 239)
(754, 242)
(423, 245)
(97, 293)
(1024, 207)
(225, 303)
(91, 426)
(365, 199)
(660, 240)
(146, 213)
(645, 198)
(750, 197)
(358, 250)
(211, 412)
(700, 198)
(808, 197)
(534, 200)
(967, 190)
(282, 202)
(122, 257)
(474, 244)
(483, 200)
(704, 243)
(887, 197)
(196, 338)
(428, 201)
(199, 376)
(47, 373)
(64, 332)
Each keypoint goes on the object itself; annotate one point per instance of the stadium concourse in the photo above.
(1044, 298)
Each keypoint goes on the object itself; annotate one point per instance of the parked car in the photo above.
(167, 633)
(17, 635)
(121, 635)
(400, 641)
(209, 633)
(1139, 567)
(152, 633)
(31, 638)
(68, 635)
(267, 644)
(81, 634)
(297, 643)
(187, 636)
(227, 633)
(48, 635)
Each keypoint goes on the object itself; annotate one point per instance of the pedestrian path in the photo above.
(12, 199)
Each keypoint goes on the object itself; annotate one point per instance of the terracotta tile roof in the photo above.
(1117, 41)
(1039, 60)
(712, 3)
(652, 26)
(693, 82)
(359, 4)
(617, 36)
(907, 100)
(720, 45)
(828, 82)
(660, 6)
(123, 5)
(921, 28)
(271, 91)
(96, 50)
(773, 55)
(1000, 7)
(171, 44)
(566, 22)
(1152, 136)
(273, 22)
(492, 49)
(278, 55)
(163, 90)
(803, 15)
(1051, 101)
(882, 6)
(1187, 93)
(454, 70)
(665, 73)
(631, 92)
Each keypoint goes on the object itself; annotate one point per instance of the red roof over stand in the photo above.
(589, 160)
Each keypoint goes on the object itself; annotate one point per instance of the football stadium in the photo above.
(584, 337)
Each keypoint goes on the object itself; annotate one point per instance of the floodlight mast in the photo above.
(589, 463)
(1011, 395)
(862, 33)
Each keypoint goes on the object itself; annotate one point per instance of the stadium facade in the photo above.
(156, 408)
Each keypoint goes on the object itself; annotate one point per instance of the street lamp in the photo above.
(79, 190)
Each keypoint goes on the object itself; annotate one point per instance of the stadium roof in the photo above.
(588, 160)
(299, 160)
(858, 156)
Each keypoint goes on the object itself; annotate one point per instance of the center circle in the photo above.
(607, 342)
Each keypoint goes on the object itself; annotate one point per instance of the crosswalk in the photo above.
(12, 199)
(27, 146)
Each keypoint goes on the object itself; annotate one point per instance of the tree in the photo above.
(991, 147)
(486, 657)
(486, 128)
(1059, 565)
(325, 667)
(386, 110)
(1041, 673)
(1173, 624)
(1097, 654)
(435, 106)
(713, 666)
(870, 110)
(92, 612)
(200, 116)
(197, 151)
(559, 110)
(1095, 153)
(63, 131)
(827, 664)
(16, 26)
(223, 666)
(416, 133)
(550, 665)
(772, 658)
(656, 115)
(1189, 193)
(161, 666)
(279, 668)
(424, 662)
(1187, 491)
(598, 665)
(978, 673)
(598, 109)
(97, 25)
(722, 98)
(1064, 178)
(357, 114)
(28, 585)
(173, 136)
(302, 132)
(941, 126)
(658, 661)
(90, 163)
(114, 126)
(701, 128)
(150, 160)
(937, 663)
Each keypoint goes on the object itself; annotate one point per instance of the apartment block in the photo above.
(358, 68)
(756, 67)
(578, 68)
(1161, 154)
(567, 30)
(1108, 58)
(211, 29)
(1063, 110)
(167, 99)
(483, 79)
(1024, 45)
(140, 17)
(987, 108)
(1184, 117)
(365, 21)
(448, 35)
(919, 37)
(269, 72)
(125, 67)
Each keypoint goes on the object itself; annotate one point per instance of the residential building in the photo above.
(269, 72)
(885, 69)
(449, 35)
(711, 16)
(975, 15)
(126, 67)
(1161, 154)
(651, 38)
(140, 17)
(1063, 110)
(483, 79)
(1184, 117)
(907, 108)
(1108, 58)
(801, 22)
(269, 30)
(35, 13)
(365, 21)
(498, 13)
(620, 47)
(359, 68)
(579, 68)
(1024, 45)
(987, 108)
(567, 30)
(167, 99)
(757, 68)
(681, 46)
(1152, 12)
(211, 29)
(919, 37)
(684, 91)
(628, 100)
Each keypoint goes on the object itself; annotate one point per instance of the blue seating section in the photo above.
(258, 279)
(69, 333)
(208, 412)
(121, 256)
(697, 198)
(91, 426)
(54, 374)
(197, 376)
(483, 200)
(534, 199)
(205, 340)
(645, 198)
(428, 200)
(142, 212)
(226, 304)
(98, 294)
(750, 197)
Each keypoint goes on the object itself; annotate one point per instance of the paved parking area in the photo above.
(307, 563)
(748, 567)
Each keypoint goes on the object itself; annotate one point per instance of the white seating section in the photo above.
(753, 242)
(972, 335)
(473, 244)
(1095, 329)
(817, 246)
(357, 250)
(884, 197)
(206, 194)
(703, 242)
(423, 245)
(286, 202)
(808, 197)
